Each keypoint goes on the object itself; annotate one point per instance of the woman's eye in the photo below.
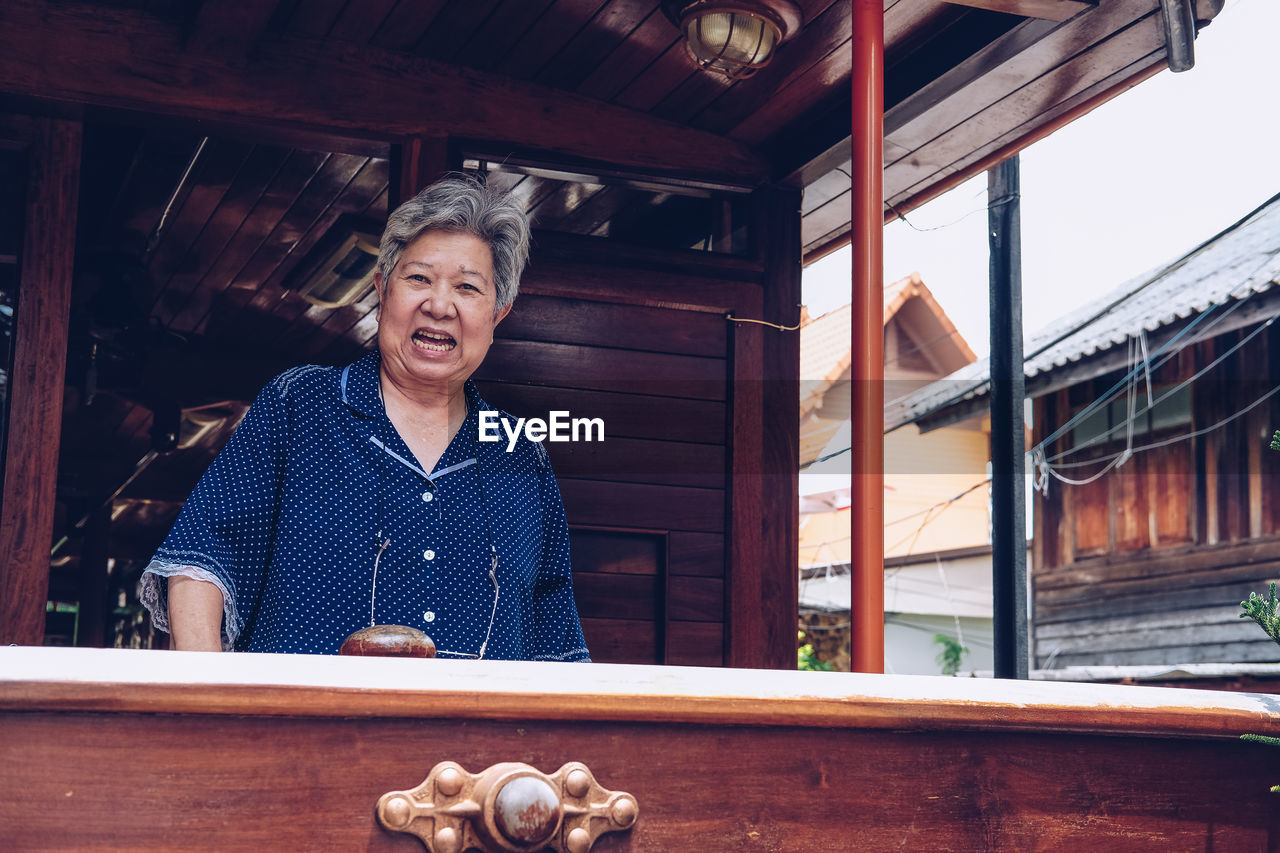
(467, 284)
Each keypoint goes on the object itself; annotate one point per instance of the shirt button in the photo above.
(428, 555)
(429, 616)
(428, 497)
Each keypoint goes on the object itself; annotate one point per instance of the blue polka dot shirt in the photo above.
(286, 523)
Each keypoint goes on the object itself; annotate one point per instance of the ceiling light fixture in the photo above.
(734, 37)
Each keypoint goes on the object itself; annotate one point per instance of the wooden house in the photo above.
(173, 174)
(1152, 523)
(937, 524)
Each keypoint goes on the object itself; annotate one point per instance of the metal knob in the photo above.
(508, 807)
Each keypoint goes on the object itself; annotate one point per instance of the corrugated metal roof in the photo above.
(1235, 265)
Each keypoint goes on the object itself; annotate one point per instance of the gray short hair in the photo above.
(462, 203)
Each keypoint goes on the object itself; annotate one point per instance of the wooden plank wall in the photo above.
(1149, 564)
(647, 507)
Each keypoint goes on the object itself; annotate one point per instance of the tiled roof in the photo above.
(1233, 266)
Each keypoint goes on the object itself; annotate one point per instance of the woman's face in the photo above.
(435, 313)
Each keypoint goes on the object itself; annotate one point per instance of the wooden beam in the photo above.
(39, 362)
(415, 163)
(1050, 10)
(125, 58)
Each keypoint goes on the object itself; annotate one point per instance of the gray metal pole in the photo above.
(1008, 438)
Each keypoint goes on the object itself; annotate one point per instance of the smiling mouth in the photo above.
(433, 341)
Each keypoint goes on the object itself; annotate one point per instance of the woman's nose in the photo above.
(438, 302)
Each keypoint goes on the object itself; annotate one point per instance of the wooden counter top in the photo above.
(34, 678)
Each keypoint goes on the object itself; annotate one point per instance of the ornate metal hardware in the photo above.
(508, 807)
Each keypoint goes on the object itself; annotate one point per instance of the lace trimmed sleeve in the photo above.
(226, 530)
(153, 592)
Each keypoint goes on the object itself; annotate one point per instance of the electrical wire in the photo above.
(1101, 438)
(1049, 469)
(733, 319)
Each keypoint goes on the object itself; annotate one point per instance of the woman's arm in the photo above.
(195, 614)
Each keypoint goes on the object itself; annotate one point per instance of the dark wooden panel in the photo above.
(635, 276)
(778, 219)
(625, 415)
(1015, 791)
(285, 245)
(546, 37)
(607, 551)
(275, 202)
(314, 18)
(639, 461)
(358, 22)
(604, 504)
(215, 170)
(145, 187)
(651, 39)
(228, 27)
(608, 30)
(798, 97)
(695, 644)
(510, 22)
(621, 641)
(35, 392)
(697, 554)
(695, 599)
(407, 22)
(658, 80)
(581, 321)
(615, 596)
(1259, 651)
(1106, 601)
(1202, 629)
(457, 22)
(601, 369)
(1164, 563)
(222, 225)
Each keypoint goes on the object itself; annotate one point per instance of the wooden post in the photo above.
(1008, 432)
(868, 336)
(763, 589)
(415, 163)
(91, 627)
(39, 363)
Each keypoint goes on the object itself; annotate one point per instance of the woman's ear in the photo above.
(502, 315)
(377, 285)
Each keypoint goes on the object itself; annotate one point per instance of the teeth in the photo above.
(434, 343)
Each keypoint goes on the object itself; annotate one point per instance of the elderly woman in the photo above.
(338, 476)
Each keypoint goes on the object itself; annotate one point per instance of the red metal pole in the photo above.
(868, 336)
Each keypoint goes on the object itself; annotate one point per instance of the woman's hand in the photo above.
(195, 615)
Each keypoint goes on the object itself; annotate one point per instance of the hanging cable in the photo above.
(733, 319)
(1101, 438)
(1049, 469)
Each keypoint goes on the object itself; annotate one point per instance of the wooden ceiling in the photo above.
(599, 79)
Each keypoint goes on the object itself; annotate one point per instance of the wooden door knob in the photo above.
(508, 807)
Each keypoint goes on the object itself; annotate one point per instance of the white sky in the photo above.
(1140, 180)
